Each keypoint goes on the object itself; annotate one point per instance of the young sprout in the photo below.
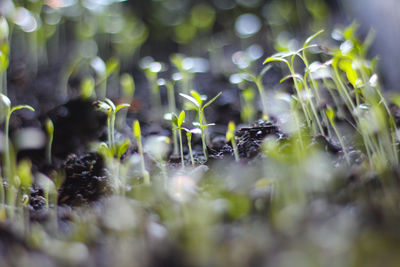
(196, 102)
(137, 133)
(108, 106)
(230, 137)
(103, 71)
(189, 134)
(9, 111)
(50, 133)
(330, 113)
(178, 121)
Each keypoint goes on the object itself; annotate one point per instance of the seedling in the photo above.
(197, 104)
(108, 106)
(168, 117)
(103, 71)
(137, 133)
(300, 82)
(50, 133)
(9, 171)
(177, 122)
(230, 137)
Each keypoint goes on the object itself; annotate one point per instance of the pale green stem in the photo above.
(181, 147)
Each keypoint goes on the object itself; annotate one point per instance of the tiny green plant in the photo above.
(196, 102)
(9, 172)
(103, 71)
(168, 117)
(137, 133)
(330, 113)
(108, 106)
(178, 121)
(230, 137)
(50, 133)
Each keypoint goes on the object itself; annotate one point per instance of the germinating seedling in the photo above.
(8, 171)
(103, 71)
(230, 137)
(177, 122)
(137, 133)
(108, 106)
(50, 133)
(197, 104)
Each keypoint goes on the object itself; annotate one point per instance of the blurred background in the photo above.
(49, 35)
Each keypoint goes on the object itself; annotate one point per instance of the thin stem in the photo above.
(190, 150)
(181, 147)
(48, 150)
(235, 149)
(203, 141)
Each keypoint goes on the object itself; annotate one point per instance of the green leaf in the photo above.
(174, 119)
(207, 125)
(181, 118)
(309, 39)
(346, 66)
(275, 59)
(330, 113)
(136, 129)
(122, 148)
(111, 66)
(104, 151)
(189, 135)
(121, 106)
(230, 133)
(197, 96)
(197, 124)
(212, 100)
(191, 99)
